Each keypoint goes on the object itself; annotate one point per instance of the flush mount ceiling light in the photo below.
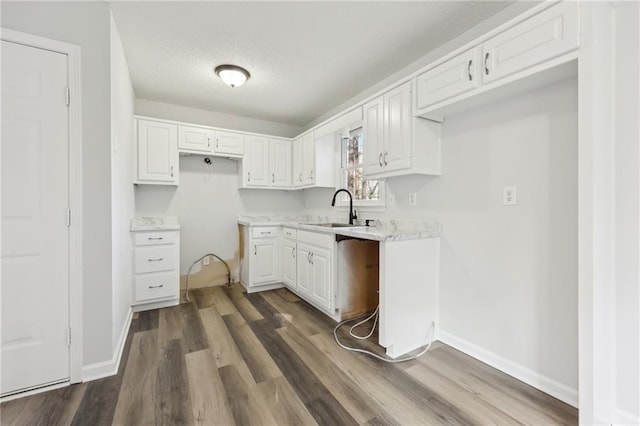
(232, 75)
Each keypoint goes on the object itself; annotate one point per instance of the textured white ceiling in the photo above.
(304, 57)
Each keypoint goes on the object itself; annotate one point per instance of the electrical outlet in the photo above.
(391, 199)
(413, 198)
(206, 261)
(509, 196)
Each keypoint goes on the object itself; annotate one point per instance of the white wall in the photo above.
(207, 203)
(508, 274)
(214, 118)
(122, 194)
(86, 25)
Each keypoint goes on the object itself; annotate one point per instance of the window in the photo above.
(364, 191)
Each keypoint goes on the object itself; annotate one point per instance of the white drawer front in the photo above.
(316, 238)
(155, 237)
(289, 233)
(155, 259)
(156, 286)
(264, 232)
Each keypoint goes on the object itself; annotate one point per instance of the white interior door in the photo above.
(35, 236)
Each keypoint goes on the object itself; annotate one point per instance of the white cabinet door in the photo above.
(308, 159)
(456, 76)
(280, 163)
(194, 139)
(288, 259)
(397, 128)
(157, 152)
(264, 261)
(321, 279)
(297, 161)
(256, 162)
(229, 143)
(373, 134)
(542, 37)
(303, 281)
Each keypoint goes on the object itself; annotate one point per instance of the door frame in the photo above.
(75, 185)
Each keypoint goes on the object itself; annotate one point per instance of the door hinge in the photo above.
(68, 217)
(67, 96)
(68, 336)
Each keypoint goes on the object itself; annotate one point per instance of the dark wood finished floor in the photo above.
(270, 359)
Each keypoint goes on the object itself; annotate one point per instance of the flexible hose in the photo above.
(198, 261)
(375, 315)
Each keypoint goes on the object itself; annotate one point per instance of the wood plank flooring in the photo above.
(270, 359)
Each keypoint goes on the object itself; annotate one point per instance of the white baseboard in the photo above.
(545, 384)
(626, 418)
(103, 369)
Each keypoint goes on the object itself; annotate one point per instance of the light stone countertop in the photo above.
(154, 223)
(382, 230)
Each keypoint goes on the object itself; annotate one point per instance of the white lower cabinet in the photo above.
(288, 257)
(156, 269)
(260, 262)
(315, 269)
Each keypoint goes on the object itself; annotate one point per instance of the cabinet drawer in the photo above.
(289, 233)
(264, 232)
(194, 139)
(155, 286)
(155, 259)
(155, 238)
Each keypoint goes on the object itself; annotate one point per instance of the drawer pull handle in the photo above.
(293, 252)
(486, 63)
(300, 178)
(255, 250)
(273, 177)
(156, 286)
(155, 238)
(266, 232)
(160, 259)
(385, 157)
(311, 258)
(380, 159)
(469, 70)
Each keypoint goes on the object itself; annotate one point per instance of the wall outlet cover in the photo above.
(509, 196)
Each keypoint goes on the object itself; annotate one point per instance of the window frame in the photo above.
(342, 201)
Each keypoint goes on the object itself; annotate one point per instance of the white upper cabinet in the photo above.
(314, 161)
(395, 142)
(542, 41)
(255, 164)
(157, 154)
(229, 143)
(458, 75)
(194, 139)
(297, 159)
(280, 163)
(266, 163)
(540, 38)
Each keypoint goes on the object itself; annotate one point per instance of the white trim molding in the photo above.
(545, 384)
(108, 368)
(73, 53)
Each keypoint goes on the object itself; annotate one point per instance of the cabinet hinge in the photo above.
(67, 96)
(68, 217)
(68, 336)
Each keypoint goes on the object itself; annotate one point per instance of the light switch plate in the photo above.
(509, 196)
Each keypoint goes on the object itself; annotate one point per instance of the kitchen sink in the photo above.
(335, 225)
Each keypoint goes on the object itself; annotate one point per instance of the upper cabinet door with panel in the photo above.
(297, 160)
(229, 143)
(542, 37)
(280, 163)
(308, 159)
(456, 76)
(194, 139)
(397, 128)
(255, 165)
(373, 134)
(157, 152)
